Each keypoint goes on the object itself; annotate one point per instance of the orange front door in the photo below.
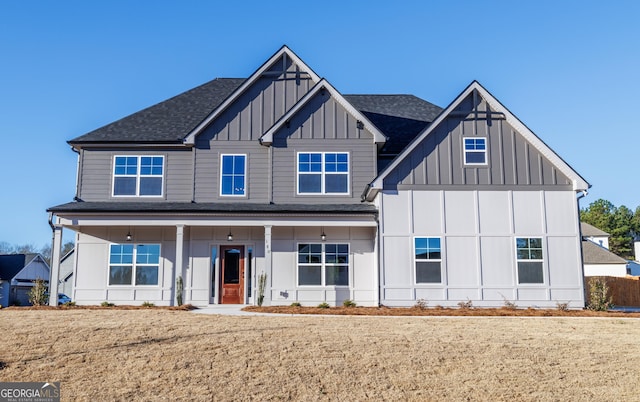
(231, 274)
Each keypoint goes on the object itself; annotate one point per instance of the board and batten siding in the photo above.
(439, 158)
(95, 182)
(478, 231)
(322, 125)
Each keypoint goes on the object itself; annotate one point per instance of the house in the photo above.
(378, 199)
(18, 273)
(597, 259)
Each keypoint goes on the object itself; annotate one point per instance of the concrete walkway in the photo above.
(225, 309)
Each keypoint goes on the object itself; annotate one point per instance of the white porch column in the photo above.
(178, 271)
(54, 273)
(267, 262)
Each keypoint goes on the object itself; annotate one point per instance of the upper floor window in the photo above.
(136, 265)
(323, 173)
(138, 176)
(232, 175)
(529, 260)
(428, 259)
(323, 265)
(475, 151)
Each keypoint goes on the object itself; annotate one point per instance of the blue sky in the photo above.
(567, 69)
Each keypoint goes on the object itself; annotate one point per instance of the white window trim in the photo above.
(322, 174)
(415, 260)
(138, 175)
(515, 250)
(134, 265)
(464, 152)
(246, 182)
(323, 266)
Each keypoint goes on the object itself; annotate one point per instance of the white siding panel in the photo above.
(494, 212)
(563, 261)
(561, 210)
(92, 266)
(464, 294)
(398, 294)
(431, 295)
(396, 217)
(427, 212)
(460, 212)
(605, 270)
(398, 261)
(498, 261)
(533, 294)
(462, 261)
(527, 211)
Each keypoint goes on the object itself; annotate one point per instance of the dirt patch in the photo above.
(155, 354)
(441, 312)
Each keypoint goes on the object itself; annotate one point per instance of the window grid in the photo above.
(529, 260)
(475, 151)
(134, 265)
(323, 264)
(323, 173)
(428, 260)
(233, 175)
(138, 176)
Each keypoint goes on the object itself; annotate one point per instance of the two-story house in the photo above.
(379, 199)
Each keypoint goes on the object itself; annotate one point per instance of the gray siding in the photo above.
(512, 161)
(322, 125)
(96, 174)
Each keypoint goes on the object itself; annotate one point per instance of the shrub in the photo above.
(465, 304)
(147, 304)
(296, 304)
(262, 284)
(599, 299)
(107, 304)
(179, 290)
(508, 304)
(349, 303)
(562, 306)
(421, 304)
(323, 305)
(69, 304)
(38, 293)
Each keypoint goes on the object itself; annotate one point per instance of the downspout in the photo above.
(582, 194)
(77, 197)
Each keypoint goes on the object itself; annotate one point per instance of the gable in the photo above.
(261, 100)
(515, 156)
(10, 265)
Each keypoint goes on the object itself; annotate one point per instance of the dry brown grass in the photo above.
(153, 354)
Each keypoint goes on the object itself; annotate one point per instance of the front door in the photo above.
(231, 274)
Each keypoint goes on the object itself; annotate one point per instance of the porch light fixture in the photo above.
(323, 236)
(129, 236)
(230, 236)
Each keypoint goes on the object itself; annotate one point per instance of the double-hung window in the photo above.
(323, 173)
(232, 175)
(529, 260)
(475, 151)
(323, 264)
(136, 265)
(138, 176)
(428, 260)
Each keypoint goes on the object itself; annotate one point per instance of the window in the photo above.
(428, 258)
(323, 264)
(323, 173)
(138, 176)
(134, 264)
(232, 176)
(475, 151)
(529, 260)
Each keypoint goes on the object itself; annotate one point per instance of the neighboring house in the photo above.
(379, 199)
(18, 273)
(597, 259)
(65, 282)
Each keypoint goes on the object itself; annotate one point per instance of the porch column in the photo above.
(54, 269)
(267, 261)
(179, 262)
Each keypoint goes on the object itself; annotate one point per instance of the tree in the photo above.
(620, 222)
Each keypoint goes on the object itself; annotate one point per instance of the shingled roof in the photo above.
(591, 231)
(166, 122)
(595, 254)
(11, 264)
(399, 117)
